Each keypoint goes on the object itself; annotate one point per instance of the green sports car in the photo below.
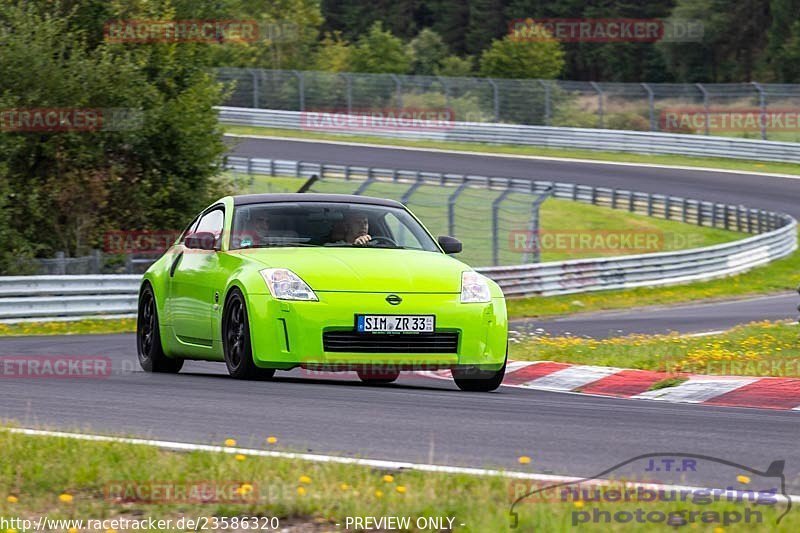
(327, 282)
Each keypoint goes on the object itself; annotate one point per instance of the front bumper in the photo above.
(287, 334)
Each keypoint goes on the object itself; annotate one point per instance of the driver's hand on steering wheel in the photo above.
(362, 240)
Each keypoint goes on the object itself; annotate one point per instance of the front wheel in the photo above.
(236, 341)
(148, 337)
(473, 379)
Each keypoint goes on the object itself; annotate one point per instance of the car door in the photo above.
(193, 293)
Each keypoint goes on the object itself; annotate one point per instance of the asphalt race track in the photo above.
(778, 194)
(418, 419)
(695, 318)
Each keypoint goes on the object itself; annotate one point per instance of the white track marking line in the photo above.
(571, 378)
(374, 463)
(696, 389)
(521, 156)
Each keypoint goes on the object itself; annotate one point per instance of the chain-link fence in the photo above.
(750, 110)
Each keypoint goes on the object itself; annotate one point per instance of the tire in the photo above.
(378, 378)
(236, 341)
(473, 379)
(148, 337)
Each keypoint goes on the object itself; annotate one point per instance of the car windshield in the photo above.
(298, 224)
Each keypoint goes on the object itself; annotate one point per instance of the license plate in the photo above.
(395, 323)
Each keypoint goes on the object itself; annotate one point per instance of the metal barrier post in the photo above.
(533, 227)
(254, 74)
(600, 113)
(399, 89)
(349, 81)
(451, 208)
(651, 106)
(547, 108)
(762, 105)
(705, 103)
(301, 88)
(495, 99)
(495, 226)
(411, 190)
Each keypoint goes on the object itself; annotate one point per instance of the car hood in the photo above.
(349, 269)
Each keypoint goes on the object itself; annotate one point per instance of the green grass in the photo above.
(676, 160)
(72, 327)
(37, 472)
(757, 349)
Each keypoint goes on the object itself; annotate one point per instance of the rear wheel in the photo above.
(475, 379)
(236, 341)
(148, 337)
(378, 378)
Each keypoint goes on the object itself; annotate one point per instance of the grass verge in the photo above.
(756, 349)
(70, 479)
(674, 160)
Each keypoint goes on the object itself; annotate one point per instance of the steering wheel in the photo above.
(381, 238)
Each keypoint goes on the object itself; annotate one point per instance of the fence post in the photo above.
(411, 190)
(547, 108)
(95, 261)
(446, 90)
(349, 80)
(451, 208)
(495, 99)
(495, 226)
(651, 106)
(254, 75)
(301, 88)
(600, 113)
(533, 226)
(399, 85)
(705, 103)
(762, 105)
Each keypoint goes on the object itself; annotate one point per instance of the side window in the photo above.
(211, 222)
(189, 229)
(399, 232)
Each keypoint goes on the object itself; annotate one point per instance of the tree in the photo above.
(511, 57)
(455, 66)
(66, 188)
(380, 51)
(427, 51)
(333, 54)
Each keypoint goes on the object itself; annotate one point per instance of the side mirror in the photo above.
(450, 245)
(203, 240)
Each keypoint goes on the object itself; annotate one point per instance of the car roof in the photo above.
(246, 199)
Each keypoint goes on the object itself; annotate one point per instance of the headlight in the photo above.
(284, 284)
(474, 288)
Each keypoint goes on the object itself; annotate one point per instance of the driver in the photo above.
(356, 229)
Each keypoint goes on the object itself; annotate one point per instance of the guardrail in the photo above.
(589, 139)
(775, 236)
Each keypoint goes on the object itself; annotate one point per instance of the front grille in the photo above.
(349, 341)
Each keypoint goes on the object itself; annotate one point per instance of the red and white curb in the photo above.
(730, 391)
